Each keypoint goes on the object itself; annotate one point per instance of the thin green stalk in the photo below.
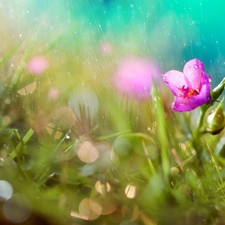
(18, 73)
(21, 144)
(11, 52)
(161, 133)
(153, 171)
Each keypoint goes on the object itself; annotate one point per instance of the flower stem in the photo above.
(201, 119)
(197, 135)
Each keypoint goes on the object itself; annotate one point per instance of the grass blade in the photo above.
(161, 132)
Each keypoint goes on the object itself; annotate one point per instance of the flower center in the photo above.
(188, 92)
(192, 92)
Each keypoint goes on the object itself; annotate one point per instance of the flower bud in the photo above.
(215, 120)
(218, 90)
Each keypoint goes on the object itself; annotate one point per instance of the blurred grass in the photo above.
(149, 169)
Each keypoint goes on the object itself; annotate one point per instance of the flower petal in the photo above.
(191, 88)
(205, 79)
(182, 105)
(193, 71)
(187, 104)
(194, 63)
(175, 81)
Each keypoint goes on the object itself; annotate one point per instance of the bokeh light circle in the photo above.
(18, 208)
(6, 190)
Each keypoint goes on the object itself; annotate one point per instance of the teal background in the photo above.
(172, 32)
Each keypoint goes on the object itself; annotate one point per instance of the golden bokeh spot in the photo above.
(29, 89)
(53, 131)
(102, 188)
(87, 152)
(89, 209)
(130, 191)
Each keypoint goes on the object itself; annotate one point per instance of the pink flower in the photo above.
(134, 76)
(190, 88)
(37, 65)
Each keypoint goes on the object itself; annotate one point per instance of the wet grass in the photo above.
(87, 155)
